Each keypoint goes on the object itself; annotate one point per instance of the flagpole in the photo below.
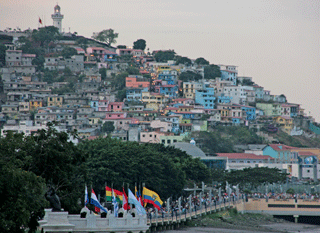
(105, 192)
(85, 195)
(143, 185)
(128, 196)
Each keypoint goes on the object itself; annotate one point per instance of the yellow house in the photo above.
(185, 121)
(153, 100)
(224, 112)
(284, 122)
(34, 104)
(94, 120)
(55, 101)
(185, 108)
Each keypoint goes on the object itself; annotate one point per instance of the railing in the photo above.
(177, 216)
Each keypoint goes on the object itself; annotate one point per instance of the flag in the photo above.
(125, 205)
(109, 195)
(115, 205)
(40, 21)
(94, 201)
(135, 192)
(133, 200)
(86, 196)
(151, 197)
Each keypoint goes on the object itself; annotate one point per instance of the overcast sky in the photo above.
(276, 42)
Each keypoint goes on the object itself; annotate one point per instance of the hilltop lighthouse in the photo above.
(57, 18)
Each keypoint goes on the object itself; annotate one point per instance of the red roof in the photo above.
(243, 156)
(279, 147)
(186, 106)
(28, 55)
(306, 153)
(168, 86)
(185, 124)
(96, 48)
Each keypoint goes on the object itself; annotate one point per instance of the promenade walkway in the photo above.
(174, 219)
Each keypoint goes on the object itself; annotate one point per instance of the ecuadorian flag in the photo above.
(152, 198)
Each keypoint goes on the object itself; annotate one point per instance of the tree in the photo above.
(139, 44)
(103, 73)
(183, 60)
(119, 81)
(39, 63)
(121, 94)
(112, 161)
(133, 71)
(164, 56)
(22, 194)
(108, 127)
(68, 52)
(254, 177)
(82, 42)
(45, 35)
(50, 76)
(108, 36)
(189, 76)
(212, 71)
(121, 46)
(201, 61)
(3, 49)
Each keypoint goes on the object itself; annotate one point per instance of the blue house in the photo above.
(169, 76)
(278, 151)
(236, 120)
(169, 90)
(94, 104)
(222, 99)
(110, 56)
(229, 76)
(250, 112)
(135, 94)
(205, 97)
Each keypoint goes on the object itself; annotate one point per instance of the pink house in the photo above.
(115, 106)
(115, 115)
(184, 101)
(150, 137)
(103, 105)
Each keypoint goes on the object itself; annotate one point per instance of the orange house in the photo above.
(137, 82)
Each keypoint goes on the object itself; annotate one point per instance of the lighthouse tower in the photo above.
(57, 18)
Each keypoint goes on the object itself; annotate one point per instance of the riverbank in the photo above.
(231, 221)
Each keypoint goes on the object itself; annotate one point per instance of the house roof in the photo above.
(280, 147)
(285, 117)
(243, 156)
(190, 149)
(185, 124)
(306, 153)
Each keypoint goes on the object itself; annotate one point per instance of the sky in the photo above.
(276, 42)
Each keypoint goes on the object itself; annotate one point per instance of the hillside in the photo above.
(225, 139)
(297, 141)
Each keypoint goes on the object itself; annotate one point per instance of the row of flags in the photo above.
(117, 197)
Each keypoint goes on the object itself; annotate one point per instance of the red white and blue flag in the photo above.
(94, 201)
